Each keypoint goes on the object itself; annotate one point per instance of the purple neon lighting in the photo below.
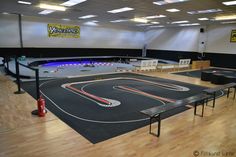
(75, 63)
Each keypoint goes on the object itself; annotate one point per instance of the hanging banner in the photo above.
(233, 36)
(63, 31)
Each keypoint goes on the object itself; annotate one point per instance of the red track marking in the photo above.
(89, 95)
(146, 94)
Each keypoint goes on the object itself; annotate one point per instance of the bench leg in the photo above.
(228, 92)
(159, 126)
(234, 91)
(195, 108)
(150, 125)
(203, 103)
(214, 99)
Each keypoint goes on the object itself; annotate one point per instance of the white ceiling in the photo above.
(142, 8)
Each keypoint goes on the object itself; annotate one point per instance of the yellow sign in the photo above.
(233, 36)
(63, 31)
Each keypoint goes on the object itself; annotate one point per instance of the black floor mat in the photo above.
(98, 123)
(197, 73)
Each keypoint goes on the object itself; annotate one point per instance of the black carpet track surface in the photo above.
(197, 73)
(98, 123)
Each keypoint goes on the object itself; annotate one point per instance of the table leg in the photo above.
(228, 92)
(195, 108)
(203, 103)
(150, 125)
(234, 91)
(214, 99)
(159, 125)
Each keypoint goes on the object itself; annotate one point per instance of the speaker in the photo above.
(202, 30)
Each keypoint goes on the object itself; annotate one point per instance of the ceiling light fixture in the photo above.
(155, 16)
(52, 7)
(141, 20)
(203, 19)
(204, 11)
(168, 1)
(24, 2)
(120, 10)
(154, 22)
(72, 2)
(190, 24)
(228, 22)
(172, 10)
(225, 17)
(178, 22)
(87, 16)
(117, 21)
(45, 12)
(229, 3)
(160, 26)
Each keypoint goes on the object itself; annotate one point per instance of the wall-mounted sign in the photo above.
(63, 31)
(233, 36)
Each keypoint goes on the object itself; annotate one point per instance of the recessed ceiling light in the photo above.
(72, 2)
(144, 24)
(203, 19)
(24, 2)
(204, 11)
(229, 3)
(160, 26)
(120, 10)
(154, 22)
(168, 1)
(65, 19)
(87, 16)
(116, 21)
(91, 23)
(172, 10)
(155, 16)
(52, 7)
(5, 13)
(178, 22)
(141, 20)
(190, 24)
(45, 12)
(225, 17)
(228, 22)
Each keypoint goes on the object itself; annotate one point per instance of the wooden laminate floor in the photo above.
(23, 135)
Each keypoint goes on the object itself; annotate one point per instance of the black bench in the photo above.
(155, 112)
(212, 91)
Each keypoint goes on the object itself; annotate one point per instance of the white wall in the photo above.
(34, 31)
(176, 39)
(9, 31)
(218, 39)
(215, 37)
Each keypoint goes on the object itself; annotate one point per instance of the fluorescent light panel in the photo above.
(144, 24)
(72, 2)
(24, 2)
(45, 12)
(226, 17)
(141, 20)
(178, 22)
(228, 22)
(168, 1)
(156, 26)
(87, 16)
(117, 21)
(229, 3)
(120, 10)
(204, 11)
(203, 19)
(155, 16)
(52, 7)
(172, 10)
(190, 24)
(154, 22)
